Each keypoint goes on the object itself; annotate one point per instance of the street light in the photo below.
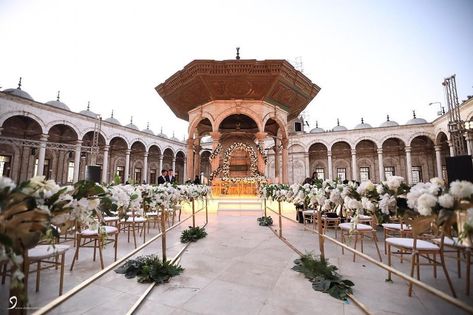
(442, 109)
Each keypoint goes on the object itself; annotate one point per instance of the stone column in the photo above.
(105, 164)
(307, 165)
(75, 176)
(174, 165)
(189, 159)
(452, 149)
(469, 143)
(42, 154)
(438, 160)
(408, 164)
(260, 136)
(160, 164)
(285, 159)
(127, 165)
(214, 163)
(145, 167)
(354, 168)
(380, 164)
(329, 164)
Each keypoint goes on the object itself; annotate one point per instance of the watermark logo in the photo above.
(13, 302)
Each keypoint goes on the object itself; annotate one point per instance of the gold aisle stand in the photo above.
(61, 299)
(322, 237)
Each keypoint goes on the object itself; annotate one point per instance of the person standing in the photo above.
(162, 178)
(197, 180)
(172, 178)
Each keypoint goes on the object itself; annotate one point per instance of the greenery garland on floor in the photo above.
(149, 268)
(324, 277)
(265, 221)
(192, 234)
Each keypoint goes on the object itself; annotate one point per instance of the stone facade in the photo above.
(48, 139)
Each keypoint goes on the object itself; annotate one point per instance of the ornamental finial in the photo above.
(362, 121)
(88, 105)
(387, 117)
(238, 53)
(338, 122)
(414, 114)
(19, 84)
(58, 95)
(112, 113)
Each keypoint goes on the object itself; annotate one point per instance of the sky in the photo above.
(370, 58)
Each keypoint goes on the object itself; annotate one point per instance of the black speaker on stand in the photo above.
(93, 173)
(459, 168)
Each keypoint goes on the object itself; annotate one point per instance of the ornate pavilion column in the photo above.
(329, 164)
(285, 159)
(42, 154)
(197, 149)
(260, 136)
(438, 160)
(354, 168)
(307, 164)
(145, 167)
(380, 164)
(127, 165)
(105, 164)
(408, 164)
(189, 159)
(184, 174)
(174, 165)
(75, 176)
(276, 159)
(214, 163)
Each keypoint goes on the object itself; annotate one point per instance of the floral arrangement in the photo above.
(453, 206)
(216, 152)
(245, 147)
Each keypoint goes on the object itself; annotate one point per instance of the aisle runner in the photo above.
(239, 204)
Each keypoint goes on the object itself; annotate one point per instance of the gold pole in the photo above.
(280, 219)
(163, 231)
(206, 211)
(264, 204)
(321, 232)
(193, 213)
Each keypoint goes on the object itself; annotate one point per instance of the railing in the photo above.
(322, 237)
(61, 299)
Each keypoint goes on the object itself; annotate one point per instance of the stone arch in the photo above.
(438, 136)
(170, 149)
(89, 129)
(368, 138)
(393, 136)
(180, 153)
(155, 145)
(323, 142)
(420, 133)
(132, 142)
(282, 125)
(119, 135)
(64, 122)
(204, 115)
(296, 144)
(339, 140)
(238, 111)
(36, 118)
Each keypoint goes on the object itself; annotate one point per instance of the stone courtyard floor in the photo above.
(242, 268)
